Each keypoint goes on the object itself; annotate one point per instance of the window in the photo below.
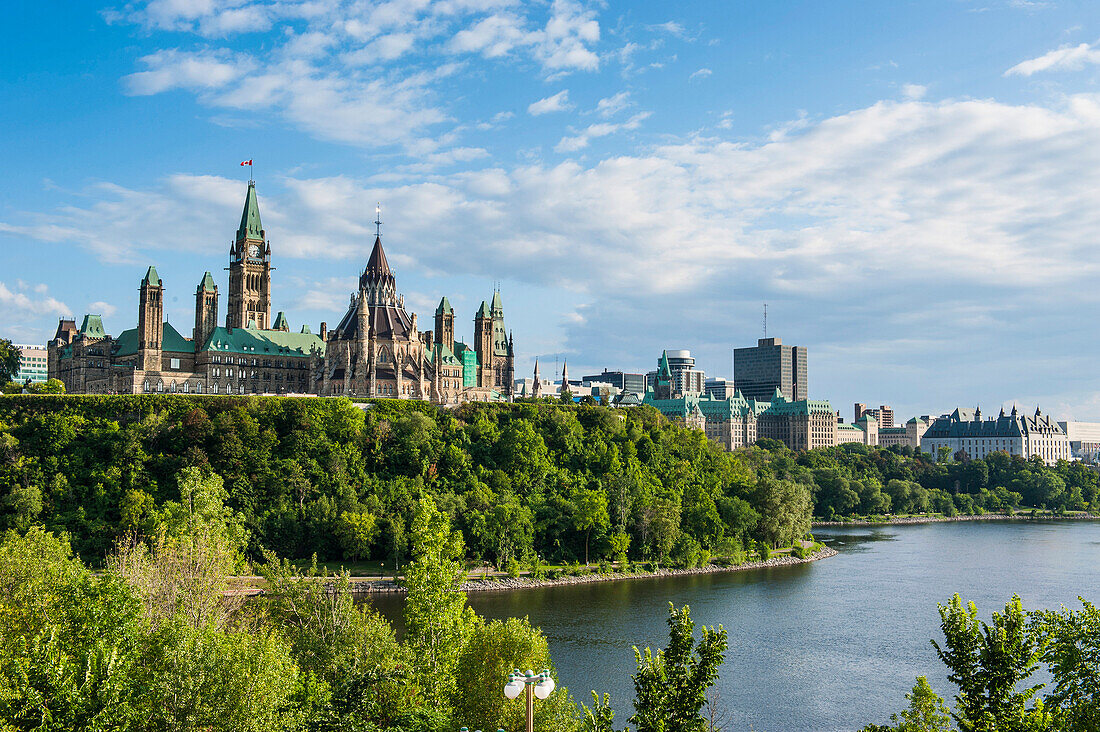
(175, 363)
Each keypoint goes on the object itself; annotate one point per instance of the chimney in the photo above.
(324, 331)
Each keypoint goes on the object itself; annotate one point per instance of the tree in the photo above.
(590, 512)
(491, 652)
(9, 361)
(437, 618)
(988, 663)
(671, 684)
(784, 511)
(356, 531)
(1070, 642)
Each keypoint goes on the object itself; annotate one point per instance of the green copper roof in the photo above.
(306, 330)
(444, 307)
(261, 342)
(483, 311)
(127, 342)
(281, 322)
(151, 278)
(442, 355)
(497, 307)
(250, 227)
(92, 327)
(207, 284)
(664, 371)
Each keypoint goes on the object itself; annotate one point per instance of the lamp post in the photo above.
(539, 685)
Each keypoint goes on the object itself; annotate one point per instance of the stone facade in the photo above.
(375, 351)
(964, 430)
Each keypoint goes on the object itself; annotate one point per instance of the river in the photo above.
(831, 645)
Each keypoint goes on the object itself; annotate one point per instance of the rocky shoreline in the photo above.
(947, 519)
(500, 584)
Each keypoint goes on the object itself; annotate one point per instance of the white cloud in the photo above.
(914, 91)
(174, 69)
(18, 302)
(610, 106)
(100, 307)
(1066, 58)
(557, 103)
(602, 129)
(700, 74)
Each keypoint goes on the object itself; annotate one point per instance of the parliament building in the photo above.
(376, 350)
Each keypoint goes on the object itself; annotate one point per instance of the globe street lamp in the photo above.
(539, 685)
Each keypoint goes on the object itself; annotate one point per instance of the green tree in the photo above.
(671, 684)
(491, 652)
(1070, 642)
(9, 361)
(989, 663)
(356, 531)
(590, 513)
(437, 619)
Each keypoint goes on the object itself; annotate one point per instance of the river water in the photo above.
(830, 645)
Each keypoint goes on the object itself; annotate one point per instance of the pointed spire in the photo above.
(483, 311)
(1038, 412)
(565, 374)
(281, 322)
(151, 278)
(1014, 411)
(664, 371)
(250, 227)
(536, 368)
(207, 283)
(444, 307)
(497, 308)
(1002, 414)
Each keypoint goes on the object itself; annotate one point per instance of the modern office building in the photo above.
(965, 430)
(719, 388)
(1084, 440)
(32, 365)
(884, 414)
(769, 365)
(633, 383)
(685, 378)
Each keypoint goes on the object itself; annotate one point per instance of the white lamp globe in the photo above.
(544, 687)
(513, 689)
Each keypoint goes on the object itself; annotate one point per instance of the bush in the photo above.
(513, 568)
(605, 567)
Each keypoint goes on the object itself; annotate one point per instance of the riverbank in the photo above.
(501, 584)
(949, 519)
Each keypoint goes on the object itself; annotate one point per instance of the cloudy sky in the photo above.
(912, 187)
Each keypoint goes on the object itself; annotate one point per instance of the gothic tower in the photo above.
(150, 321)
(445, 324)
(537, 390)
(206, 311)
(483, 345)
(249, 270)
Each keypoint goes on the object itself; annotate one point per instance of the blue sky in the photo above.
(912, 187)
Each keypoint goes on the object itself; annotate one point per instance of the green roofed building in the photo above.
(739, 422)
(376, 349)
(244, 357)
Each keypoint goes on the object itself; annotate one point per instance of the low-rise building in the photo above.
(964, 430)
(1084, 440)
(907, 436)
(33, 365)
(622, 380)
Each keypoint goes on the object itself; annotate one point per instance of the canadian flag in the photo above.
(247, 162)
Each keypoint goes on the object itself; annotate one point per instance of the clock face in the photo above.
(253, 251)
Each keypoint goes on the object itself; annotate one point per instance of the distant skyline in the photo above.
(914, 189)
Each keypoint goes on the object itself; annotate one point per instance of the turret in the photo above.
(445, 324)
(483, 344)
(249, 269)
(206, 311)
(150, 321)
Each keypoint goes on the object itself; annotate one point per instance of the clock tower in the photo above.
(249, 270)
